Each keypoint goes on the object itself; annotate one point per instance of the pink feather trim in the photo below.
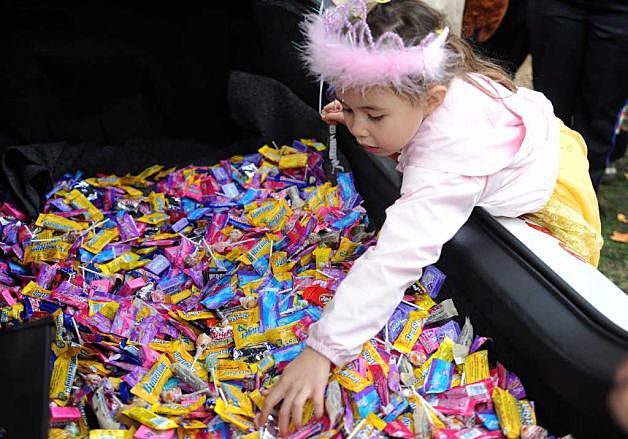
(333, 57)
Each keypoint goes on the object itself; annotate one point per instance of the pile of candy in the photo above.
(179, 294)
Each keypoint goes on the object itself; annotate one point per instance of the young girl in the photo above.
(463, 136)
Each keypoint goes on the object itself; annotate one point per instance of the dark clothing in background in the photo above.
(580, 62)
(509, 45)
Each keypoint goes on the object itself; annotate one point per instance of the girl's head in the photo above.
(390, 66)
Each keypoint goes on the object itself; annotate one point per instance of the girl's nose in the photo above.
(358, 129)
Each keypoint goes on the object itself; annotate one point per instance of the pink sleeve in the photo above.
(432, 207)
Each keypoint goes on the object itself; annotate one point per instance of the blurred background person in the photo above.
(580, 62)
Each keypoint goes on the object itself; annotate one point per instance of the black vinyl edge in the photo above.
(566, 360)
(47, 326)
(569, 295)
(27, 325)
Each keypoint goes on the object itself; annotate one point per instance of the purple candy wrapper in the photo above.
(450, 329)
(477, 343)
(45, 275)
(127, 227)
(134, 377)
(124, 321)
(514, 386)
(158, 265)
(397, 321)
(432, 280)
(100, 322)
(368, 402)
(348, 411)
(146, 331)
(394, 378)
(180, 225)
(59, 204)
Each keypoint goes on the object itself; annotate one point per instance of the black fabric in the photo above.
(267, 43)
(580, 62)
(107, 72)
(262, 108)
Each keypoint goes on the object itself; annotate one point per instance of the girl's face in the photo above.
(382, 122)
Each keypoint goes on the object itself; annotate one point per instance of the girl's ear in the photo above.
(435, 97)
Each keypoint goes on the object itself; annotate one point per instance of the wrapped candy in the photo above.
(179, 295)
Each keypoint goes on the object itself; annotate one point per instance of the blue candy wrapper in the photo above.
(438, 376)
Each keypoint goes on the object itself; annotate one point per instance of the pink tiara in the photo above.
(340, 49)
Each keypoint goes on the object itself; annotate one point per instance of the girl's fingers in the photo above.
(297, 408)
(334, 118)
(275, 395)
(318, 401)
(284, 412)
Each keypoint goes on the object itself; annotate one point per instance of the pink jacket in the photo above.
(474, 150)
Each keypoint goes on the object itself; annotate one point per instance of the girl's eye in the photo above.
(347, 110)
(376, 118)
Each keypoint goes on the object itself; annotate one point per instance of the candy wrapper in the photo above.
(179, 295)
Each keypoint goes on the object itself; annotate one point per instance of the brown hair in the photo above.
(413, 20)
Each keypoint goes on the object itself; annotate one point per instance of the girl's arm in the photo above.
(432, 208)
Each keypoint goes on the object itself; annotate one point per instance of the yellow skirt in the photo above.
(572, 213)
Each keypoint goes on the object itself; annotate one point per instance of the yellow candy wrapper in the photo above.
(96, 243)
(63, 374)
(241, 403)
(424, 301)
(411, 331)
(372, 357)
(270, 153)
(261, 248)
(59, 223)
(149, 171)
(351, 380)
(154, 218)
(293, 161)
(121, 262)
(247, 335)
(195, 315)
(158, 201)
(110, 434)
(507, 412)
(257, 398)
(151, 384)
(476, 367)
(47, 251)
(178, 409)
(80, 201)
(230, 370)
(164, 345)
(318, 146)
(282, 335)
(149, 419)
(33, 290)
(346, 248)
(526, 412)
(322, 255)
(226, 413)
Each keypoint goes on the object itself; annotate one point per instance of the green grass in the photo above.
(613, 199)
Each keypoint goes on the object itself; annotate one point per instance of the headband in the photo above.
(340, 49)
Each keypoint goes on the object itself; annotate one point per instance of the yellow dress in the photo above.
(572, 213)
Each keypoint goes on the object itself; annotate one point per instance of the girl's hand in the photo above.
(332, 113)
(305, 378)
